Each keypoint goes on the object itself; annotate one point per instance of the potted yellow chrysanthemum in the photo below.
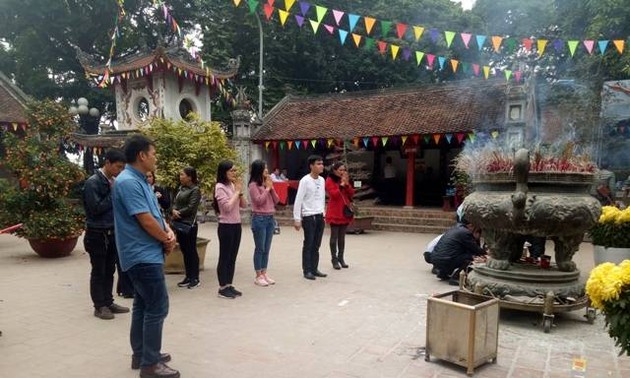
(611, 236)
(608, 288)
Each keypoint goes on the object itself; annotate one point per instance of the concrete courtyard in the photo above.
(366, 321)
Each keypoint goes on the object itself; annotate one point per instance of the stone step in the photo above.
(421, 229)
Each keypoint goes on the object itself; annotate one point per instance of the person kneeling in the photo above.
(455, 250)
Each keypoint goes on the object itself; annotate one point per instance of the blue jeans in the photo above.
(150, 307)
(262, 228)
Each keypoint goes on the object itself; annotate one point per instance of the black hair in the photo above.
(114, 155)
(256, 172)
(192, 173)
(222, 170)
(134, 145)
(313, 159)
(336, 165)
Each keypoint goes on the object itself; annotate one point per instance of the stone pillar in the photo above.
(411, 172)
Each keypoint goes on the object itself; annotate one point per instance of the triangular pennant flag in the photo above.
(472, 137)
(299, 19)
(466, 38)
(403, 139)
(338, 15)
(382, 47)
(369, 23)
(419, 56)
(517, 76)
(282, 143)
(270, 2)
(385, 28)
(406, 53)
(355, 141)
(342, 36)
(305, 143)
(313, 142)
(329, 28)
(436, 138)
(454, 64)
(236, 4)
(508, 74)
(480, 41)
(366, 141)
(441, 61)
(384, 141)
(417, 32)
(589, 44)
(619, 44)
(321, 12)
(352, 21)
(253, 4)
(448, 138)
(314, 25)
(375, 141)
(268, 9)
(430, 60)
(540, 45)
(466, 68)
(416, 139)
(369, 43)
(527, 43)
(427, 139)
(297, 144)
(290, 143)
(496, 42)
(394, 50)
(330, 142)
(510, 44)
(495, 134)
(288, 4)
(434, 34)
(572, 47)
(558, 44)
(356, 38)
(304, 7)
(449, 35)
(267, 144)
(460, 137)
(274, 144)
(401, 29)
(603, 44)
(486, 71)
(475, 69)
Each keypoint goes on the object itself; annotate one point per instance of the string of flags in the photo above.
(7, 126)
(115, 33)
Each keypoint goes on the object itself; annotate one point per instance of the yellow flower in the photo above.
(609, 214)
(606, 283)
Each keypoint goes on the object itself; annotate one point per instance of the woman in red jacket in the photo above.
(340, 194)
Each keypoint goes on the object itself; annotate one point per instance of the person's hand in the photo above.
(238, 186)
(268, 183)
(158, 195)
(169, 244)
(176, 214)
(345, 178)
(480, 259)
(297, 225)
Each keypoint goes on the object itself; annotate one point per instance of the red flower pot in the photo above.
(50, 248)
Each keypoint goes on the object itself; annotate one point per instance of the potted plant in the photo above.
(611, 236)
(44, 178)
(608, 288)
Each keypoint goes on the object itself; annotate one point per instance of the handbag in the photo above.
(181, 227)
(348, 207)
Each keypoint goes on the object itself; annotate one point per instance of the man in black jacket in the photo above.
(456, 249)
(99, 239)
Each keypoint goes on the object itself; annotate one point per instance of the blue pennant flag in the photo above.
(353, 19)
(480, 41)
(342, 36)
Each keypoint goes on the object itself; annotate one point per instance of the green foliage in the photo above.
(201, 145)
(611, 235)
(618, 321)
(45, 177)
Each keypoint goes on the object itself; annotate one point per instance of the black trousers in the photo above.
(313, 226)
(337, 240)
(229, 242)
(188, 245)
(447, 267)
(101, 246)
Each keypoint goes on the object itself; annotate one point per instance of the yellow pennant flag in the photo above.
(384, 140)
(357, 39)
(314, 25)
(313, 142)
(14, 125)
(369, 24)
(267, 145)
(619, 43)
(288, 4)
(496, 42)
(394, 51)
(494, 134)
(283, 16)
(486, 71)
(454, 64)
(404, 139)
(419, 56)
(330, 142)
(237, 3)
(542, 43)
(417, 32)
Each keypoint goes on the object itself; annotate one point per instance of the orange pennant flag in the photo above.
(290, 143)
(355, 141)
(619, 43)
(454, 64)
(496, 42)
(417, 32)
(357, 39)
(436, 138)
(369, 24)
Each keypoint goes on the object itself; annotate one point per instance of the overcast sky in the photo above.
(466, 4)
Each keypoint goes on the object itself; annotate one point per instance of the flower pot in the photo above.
(51, 248)
(174, 261)
(602, 254)
(359, 225)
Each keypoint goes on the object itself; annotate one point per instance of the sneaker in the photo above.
(226, 293)
(260, 281)
(103, 313)
(234, 291)
(118, 309)
(194, 283)
(268, 279)
(184, 283)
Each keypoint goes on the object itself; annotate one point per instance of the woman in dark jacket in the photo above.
(340, 194)
(184, 221)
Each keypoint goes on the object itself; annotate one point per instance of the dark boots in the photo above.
(341, 261)
(335, 263)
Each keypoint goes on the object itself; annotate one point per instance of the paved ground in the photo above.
(366, 321)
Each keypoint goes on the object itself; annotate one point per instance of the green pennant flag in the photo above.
(510, 45)
(449, 37)
(314, 25)
(253, 4)
(419, 56)
(466, 67)
(572, 47)
(508, 74)
(385, 27)
(427, 139)
(369, 43)
(321, 12)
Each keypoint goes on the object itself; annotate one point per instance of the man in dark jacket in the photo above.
(99, 239)
(456, 249)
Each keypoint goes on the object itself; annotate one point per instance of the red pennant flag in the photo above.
(268, 11)
(305, 141)
(416, 139)
(382, 47)
(527, 43)
(401, 29)
(270, 2)
(476, 69)
(460, 137)
(274, 144)
(436, 138)
(375, 141)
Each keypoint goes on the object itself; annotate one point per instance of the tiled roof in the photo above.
(12, 102)
(439, 108)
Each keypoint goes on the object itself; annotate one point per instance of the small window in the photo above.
(515, 112)
(142, 110)
(185, 108)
